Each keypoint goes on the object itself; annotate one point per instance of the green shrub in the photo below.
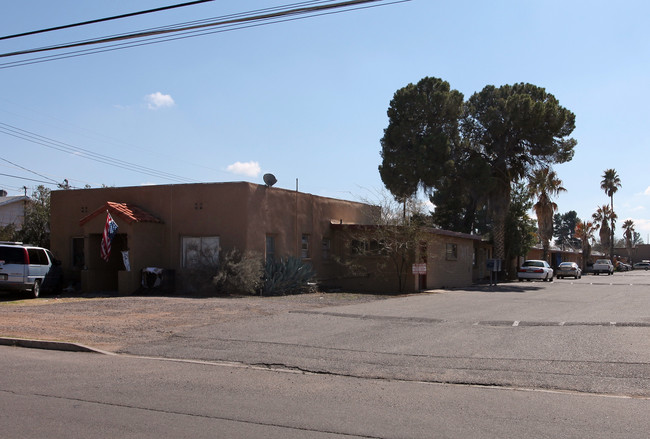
(288, 276)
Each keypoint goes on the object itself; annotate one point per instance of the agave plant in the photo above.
(288, 276)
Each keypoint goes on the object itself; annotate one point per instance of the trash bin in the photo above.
(155, 278)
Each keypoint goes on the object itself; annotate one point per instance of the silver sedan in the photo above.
(568, 269)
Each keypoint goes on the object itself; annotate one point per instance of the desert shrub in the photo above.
(288, 276)
(239, 273)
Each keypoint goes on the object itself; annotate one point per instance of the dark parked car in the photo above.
(622, 266)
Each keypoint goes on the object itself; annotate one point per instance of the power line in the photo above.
(25, 178)
(100, 20)
(158, 35)
(28, 170)
(87, 154)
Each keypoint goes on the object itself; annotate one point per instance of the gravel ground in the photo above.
(113, 322)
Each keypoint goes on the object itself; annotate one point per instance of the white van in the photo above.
(27, 268)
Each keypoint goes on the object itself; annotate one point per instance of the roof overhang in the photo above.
(130, 213)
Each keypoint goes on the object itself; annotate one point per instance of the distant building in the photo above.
(556, 255)
(639, 252)
(167, 226)
(12, 209)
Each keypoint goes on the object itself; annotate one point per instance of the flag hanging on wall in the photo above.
(110, 229)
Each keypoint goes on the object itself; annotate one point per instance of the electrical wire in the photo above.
(29, 179)
(159, 35)
(87, 154)
(100, 20)
(28, 170)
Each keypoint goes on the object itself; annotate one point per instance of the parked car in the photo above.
(643, 265)
(535, 269)
(570, 269)
(27, 268)
(603, 266)
(622, 266)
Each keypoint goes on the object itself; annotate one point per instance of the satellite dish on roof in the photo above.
(269, 179)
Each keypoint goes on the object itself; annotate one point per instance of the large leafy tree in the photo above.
(520, 228)
(421, 137)
(610, 184)
(460, 199)
(565, 225)
(543, 185)
(36, 227)
(516, 128)
(472, 151)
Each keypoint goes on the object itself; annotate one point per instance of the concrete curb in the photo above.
(50, 345)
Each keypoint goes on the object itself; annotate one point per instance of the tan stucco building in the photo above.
(168, 226)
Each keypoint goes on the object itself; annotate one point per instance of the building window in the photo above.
(452, 252)
(200, 251)
(304, 247)
(270, 247)
(368, 248)
(326, 248)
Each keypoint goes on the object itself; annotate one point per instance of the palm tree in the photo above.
(585, 233)
(544, 184)
(628, 227)
(602, 218)
(610, 184)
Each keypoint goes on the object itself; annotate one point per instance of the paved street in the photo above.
(532, 359)
(62, 395)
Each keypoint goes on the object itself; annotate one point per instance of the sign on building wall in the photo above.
(419, 268)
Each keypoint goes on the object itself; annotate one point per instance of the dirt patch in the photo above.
(111, 323)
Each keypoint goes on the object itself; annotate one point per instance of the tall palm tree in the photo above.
(544, 184)
(585, 233)
(610, 184)
(628, 227)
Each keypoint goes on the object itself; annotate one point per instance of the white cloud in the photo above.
(647, 191)
(158, 100)
(249, 169)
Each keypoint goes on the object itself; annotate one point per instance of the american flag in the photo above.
(110, 229)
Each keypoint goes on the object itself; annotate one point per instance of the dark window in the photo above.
(270, 247)
(326, 248)
(200, 251)
(37, 256)
(12, 255)
(304, 248)
(452, 252)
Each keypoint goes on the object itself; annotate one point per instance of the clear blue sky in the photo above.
(307, 99)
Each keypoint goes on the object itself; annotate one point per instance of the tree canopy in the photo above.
(564, 228)
(36, 227)
(469, 153)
